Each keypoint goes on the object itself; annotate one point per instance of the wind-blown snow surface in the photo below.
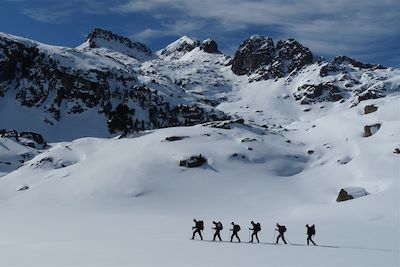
(126, 202)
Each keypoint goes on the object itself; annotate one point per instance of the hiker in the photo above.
(281, 230)
(235, 229)
(218, 227)
(310, 233)
(199, 226)
(256, 228)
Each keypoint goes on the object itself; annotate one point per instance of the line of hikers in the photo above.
(256, 227)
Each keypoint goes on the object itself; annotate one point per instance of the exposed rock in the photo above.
(52, 163)
(345, 60)
(311, 93)
(371, 129)
(175, 138)
(344, 160)
(38, 138)
(23, 188)
(178, 48)
(310, 152)
(370, 108)
(258, 55)
(193, 161)
(98, 38)
(227, 124)
(252, 54)
(349, 193)
(396, 151)
(239, 156)
(10, 134)
(248, 139)
(210, 46)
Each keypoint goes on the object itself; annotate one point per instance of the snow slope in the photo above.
(126, 202)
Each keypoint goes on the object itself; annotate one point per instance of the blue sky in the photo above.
(367, 30)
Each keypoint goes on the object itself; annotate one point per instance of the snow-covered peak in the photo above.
(178, 48)
(103, 39)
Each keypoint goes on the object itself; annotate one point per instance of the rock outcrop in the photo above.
(259, 57)
(209, 46)
(349, 193)
(370, 130)
(193, 161)
(370, 109)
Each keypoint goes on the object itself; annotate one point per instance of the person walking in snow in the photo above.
(198, 227)
(256, 228)
(310, 233)
(218, 227)
(235, 229)
(281, 230)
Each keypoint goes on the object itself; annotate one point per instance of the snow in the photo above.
(356, 191)
(126, 202)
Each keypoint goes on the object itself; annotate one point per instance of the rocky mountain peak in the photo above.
(100, 38)
(259, 55)
(210, 46)
(179, 47)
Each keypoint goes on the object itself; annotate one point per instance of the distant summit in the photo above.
(186, 44)
(100, 38)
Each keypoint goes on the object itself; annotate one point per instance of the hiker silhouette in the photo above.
(198, 227)
(281, 230)
(235, 229)
(256, 228)
(310, 233)
(218, 227)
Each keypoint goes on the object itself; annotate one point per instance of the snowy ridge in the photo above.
(103, 39)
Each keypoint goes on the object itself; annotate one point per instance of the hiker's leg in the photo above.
(258, 241)
(200, 235)
(283, 238)
(194, 233)
(219, 236)
(277, 239)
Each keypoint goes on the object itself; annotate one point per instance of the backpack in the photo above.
(257, 227)
(283, 228)
(236, 228)
(219, 226)
(312, 230)
(201, 225)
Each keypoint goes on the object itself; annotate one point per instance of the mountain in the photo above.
(108, 151)
(110, 84)
(60, 88)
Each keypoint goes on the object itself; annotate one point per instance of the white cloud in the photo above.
(337, 26)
